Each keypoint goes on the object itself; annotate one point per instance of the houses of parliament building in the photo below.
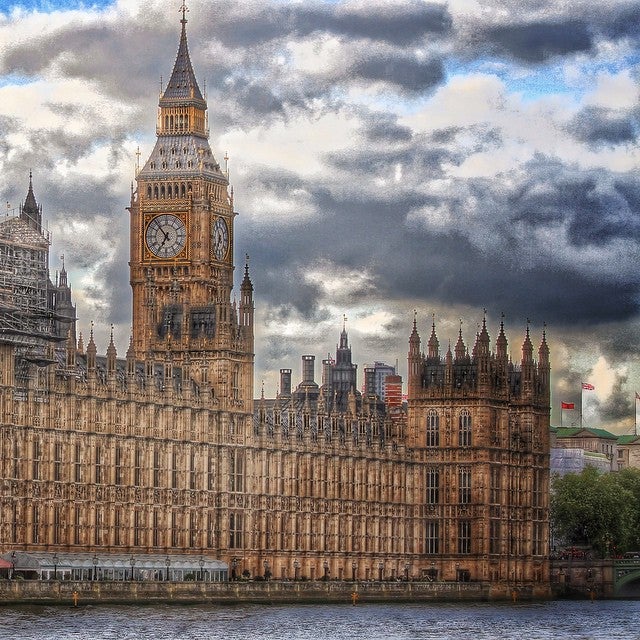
(166, 448)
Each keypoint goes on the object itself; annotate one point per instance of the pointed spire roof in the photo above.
(344, 342)
(501, 342)
(543, 351)
(246, 285)
(30, 211)
(433, 344)
(527, 347)
(460, 349)
(183, 86)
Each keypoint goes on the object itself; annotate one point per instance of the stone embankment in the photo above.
(68, 593)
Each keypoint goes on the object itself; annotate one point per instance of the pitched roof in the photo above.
(573, 432)
(182, 85)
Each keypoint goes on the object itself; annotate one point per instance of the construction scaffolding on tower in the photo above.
(26, 311)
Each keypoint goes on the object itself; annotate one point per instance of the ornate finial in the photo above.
(62, 259)
(344, 322)
(184, 10)
(138, 160)
(30, 176)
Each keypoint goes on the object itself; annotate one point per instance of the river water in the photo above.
(606, 620)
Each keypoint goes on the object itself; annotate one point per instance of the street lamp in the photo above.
(406, 572)
(434, 573)
(458, 572)
(132, 562)
(168, 564)
(201, 563)
(353, 570)
(296, 568)
(267, 573)
(95, 565)
(325, 564)
(55, 566)
(380, 570)
(234, 564)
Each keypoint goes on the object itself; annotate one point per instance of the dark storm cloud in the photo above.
(116, 57)
(620, 404)
(400, 25)
(405, 73)
(598, 125)
(539, 41)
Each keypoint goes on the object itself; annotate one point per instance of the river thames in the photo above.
(610, 620)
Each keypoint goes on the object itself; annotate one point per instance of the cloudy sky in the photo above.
(386, 156)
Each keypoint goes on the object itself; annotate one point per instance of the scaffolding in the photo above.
(26, 312)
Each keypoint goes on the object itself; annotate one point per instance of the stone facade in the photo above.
(165, 449)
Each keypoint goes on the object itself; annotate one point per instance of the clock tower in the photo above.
(181, 266)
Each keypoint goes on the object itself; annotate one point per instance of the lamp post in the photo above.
(95, 566)
(325, 564)
(13, 563)
(267, 573)
(353, 570)
(296, 569)
(201, 563)
(234, 565)
(167, 563)
(55, 566)
(132, 562)
(458, 572)
(433, 571)
(380, 570)
(406, 572)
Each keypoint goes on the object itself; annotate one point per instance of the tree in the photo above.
(601, 510)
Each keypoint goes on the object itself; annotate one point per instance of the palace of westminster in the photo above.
(166, 448)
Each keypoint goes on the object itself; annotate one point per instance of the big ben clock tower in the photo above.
(181, 250)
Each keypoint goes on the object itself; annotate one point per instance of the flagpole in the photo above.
(581, 402)
(561, 414)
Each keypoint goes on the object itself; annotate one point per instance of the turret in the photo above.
(415, 361)
(111, 358)
(31, 211)
(460, 349)
(246, 302)
(528, 364)
(544, 368)
(433, 344)
(91, 355)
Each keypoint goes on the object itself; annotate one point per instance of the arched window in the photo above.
(162, 192)
(155, 191)
(183, 190)
(149, 192)
(464, 431)
(433, 429)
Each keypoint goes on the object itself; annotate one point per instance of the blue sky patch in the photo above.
(46, 6)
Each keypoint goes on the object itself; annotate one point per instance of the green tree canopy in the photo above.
(602, 510)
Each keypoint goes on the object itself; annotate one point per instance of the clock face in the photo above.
(166, 236)
(220, 239)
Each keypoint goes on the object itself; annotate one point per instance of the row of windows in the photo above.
(125, 468)
(433, 485)
(464, 535)
(176, 529)
(433, 429)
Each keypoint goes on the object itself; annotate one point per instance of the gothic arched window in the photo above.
(464, 431)
(433, 429)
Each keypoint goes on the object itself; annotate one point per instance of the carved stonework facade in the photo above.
(166, 450)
